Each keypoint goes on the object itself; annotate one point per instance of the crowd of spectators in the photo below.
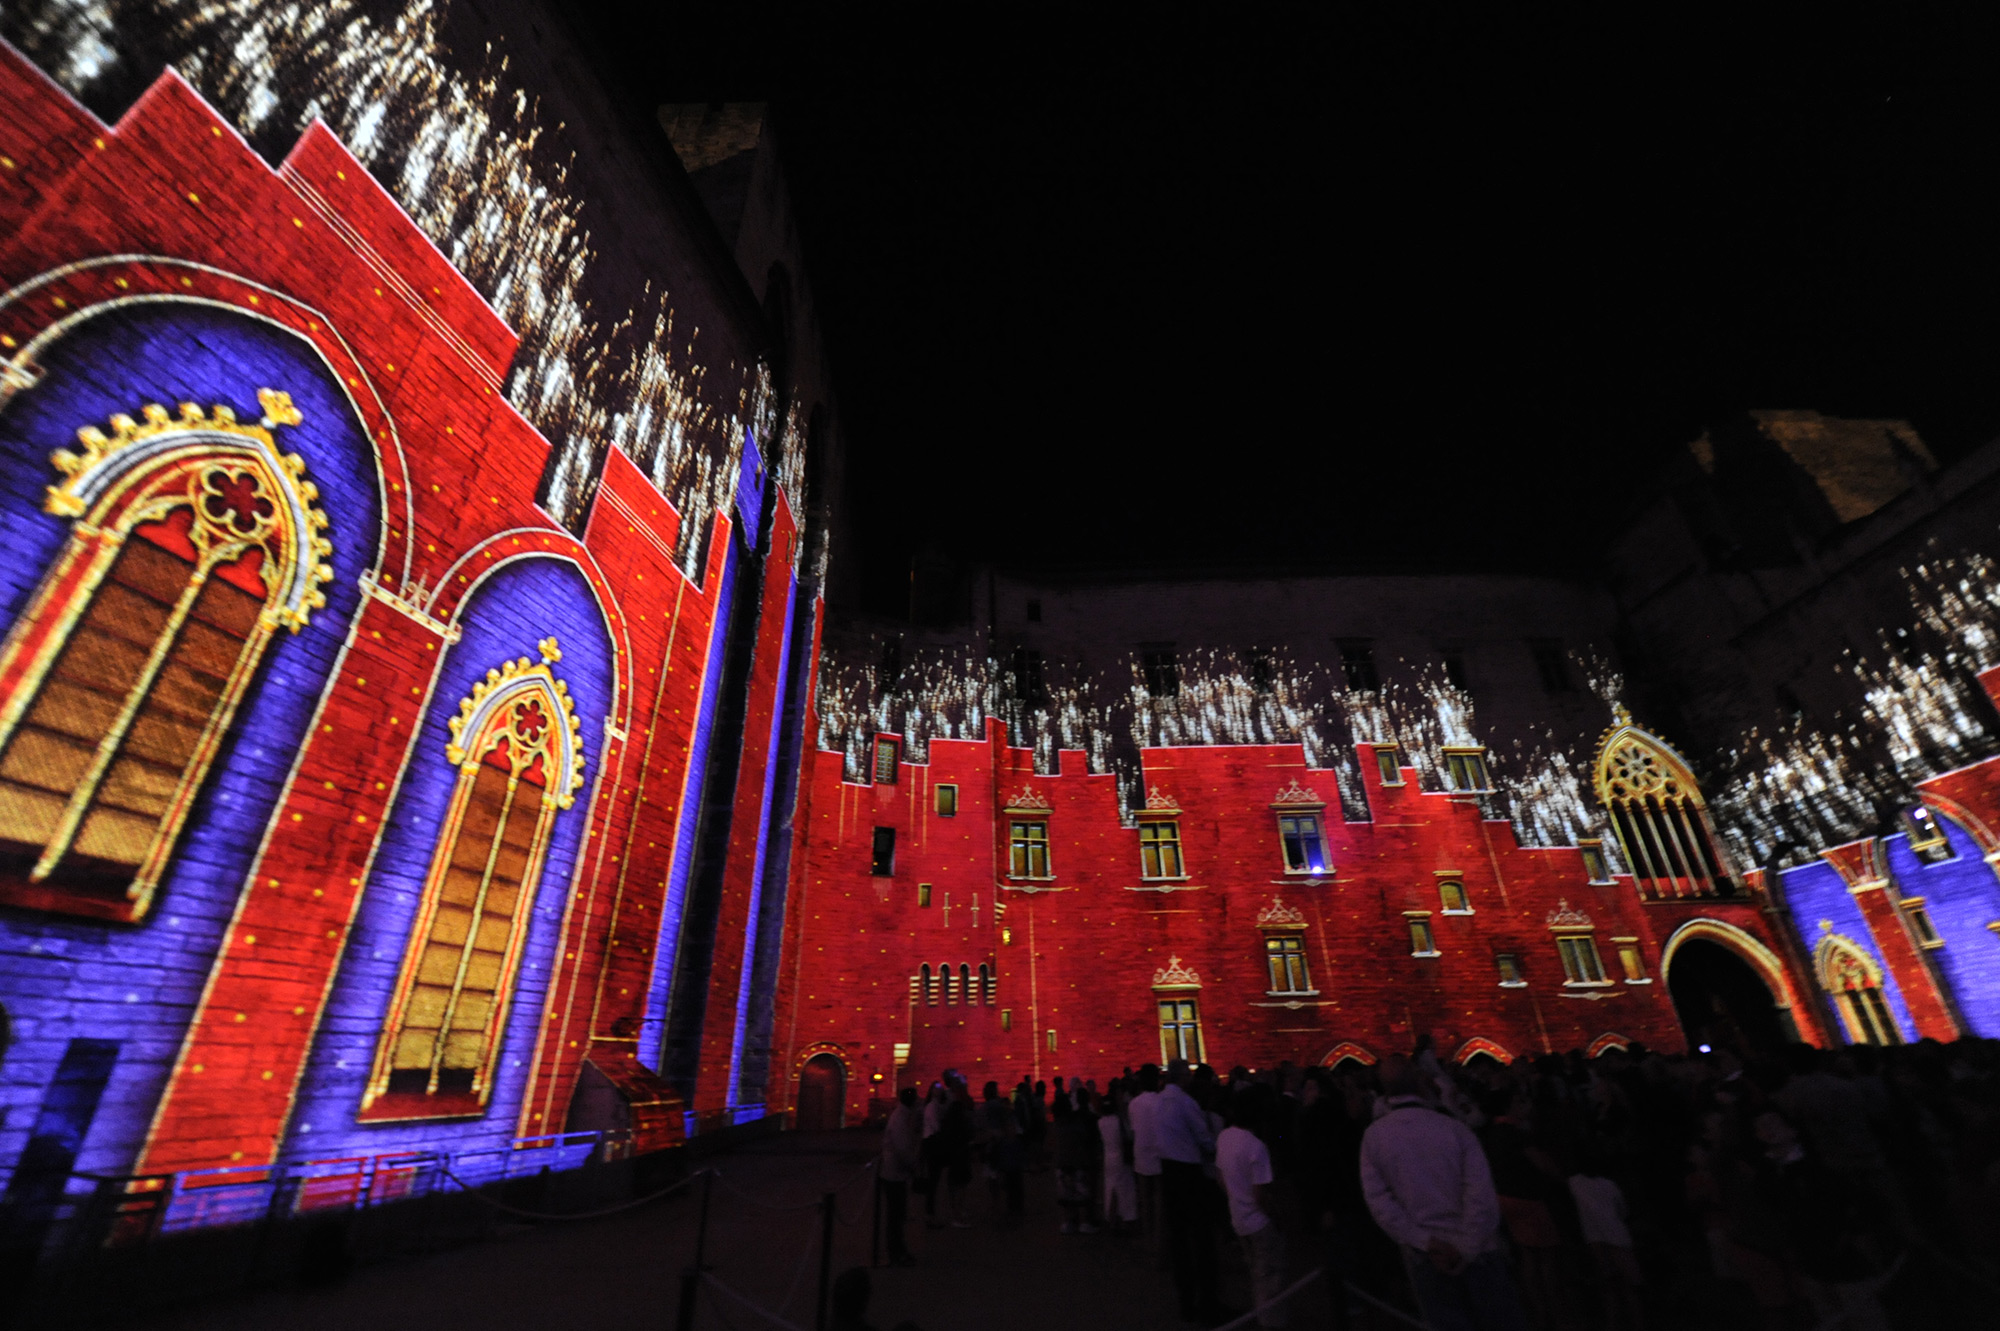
(1557, 1192)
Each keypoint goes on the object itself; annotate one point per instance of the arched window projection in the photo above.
(520, 762)
(1658, 813)
(1854, 983)
(195, 540)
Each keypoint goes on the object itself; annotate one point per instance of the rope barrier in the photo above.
(1388, 1308)
(1283, 1296)
(472, 1190)
(767, 1315)
(801, 1206)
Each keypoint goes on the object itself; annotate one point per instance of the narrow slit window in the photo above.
(1422, 942)
(1920, 922)
(985, 984)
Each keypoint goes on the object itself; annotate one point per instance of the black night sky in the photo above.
(1341, 287)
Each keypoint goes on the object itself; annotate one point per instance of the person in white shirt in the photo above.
(1146, 1159)
(1428, 1186)
(1182, 1139)
(1121, 1201)
(1244, 1164)
(1600, 1210)
(902, 1142)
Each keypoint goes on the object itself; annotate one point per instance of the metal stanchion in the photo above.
(875, 1226)
(825, 1261)
(692, 1279)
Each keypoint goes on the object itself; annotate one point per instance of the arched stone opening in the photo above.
(822, 1102)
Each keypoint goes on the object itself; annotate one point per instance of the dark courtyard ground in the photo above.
(765, 1224)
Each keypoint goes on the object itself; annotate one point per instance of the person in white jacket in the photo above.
(1428, 1186)
(1121, 1186)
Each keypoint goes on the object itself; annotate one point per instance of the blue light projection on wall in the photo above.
(1962, 897)
(63, 978)
(517, 606)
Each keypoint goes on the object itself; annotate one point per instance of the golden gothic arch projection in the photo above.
(520, 762)
(193, 540)
(1854, 982)
(1659, 816)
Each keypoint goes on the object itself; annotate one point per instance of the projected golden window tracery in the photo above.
(195, 540)
(520, 763)
(1659, 816)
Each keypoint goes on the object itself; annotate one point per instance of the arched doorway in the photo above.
(1722, 1002)
(822, 1105)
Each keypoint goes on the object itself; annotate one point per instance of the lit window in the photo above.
(193, 546)
(1467, 768)
(1927, 836)
(1451, 897)
(1006, 1019)
(886, 753)
(947, 801)
(1631, 959)
(1422, 944)
(1180, 1030)
(923, 894)
(1594, 865)
(1509, 965)
(1285, 957)
(519, 764)
(882, 856)
(1581, 964)
(1919, 916)
(1160, 848)
(1029, 849)
(1551, 665)
(1305, 850)
(1357, 665)
(1388, 764)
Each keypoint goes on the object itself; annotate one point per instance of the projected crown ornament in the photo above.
(1298, 794)
(1176, 976)
(1027, 797)
(1158, 801)
(1565, 916)
(1278, 915)
(242, 492)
